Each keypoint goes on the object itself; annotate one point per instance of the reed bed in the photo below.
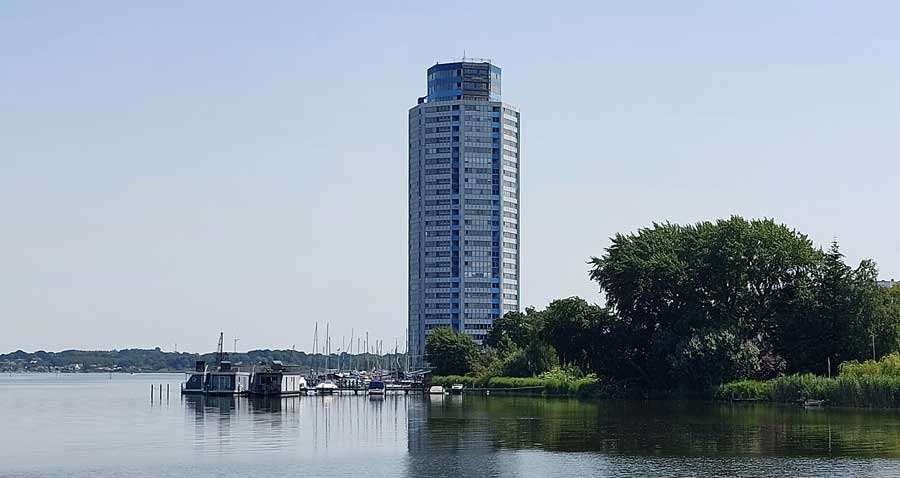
(867, 384)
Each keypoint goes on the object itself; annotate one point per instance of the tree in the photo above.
(514, 328)
(688, 297)
(886, 321)
(516, 346)
(834, 316)
(885, 325)
(450, 353)
(574, 328)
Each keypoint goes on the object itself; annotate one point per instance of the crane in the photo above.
(220, 352)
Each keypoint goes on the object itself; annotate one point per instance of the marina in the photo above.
(279, 379)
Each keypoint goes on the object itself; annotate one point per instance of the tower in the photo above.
(464, 204)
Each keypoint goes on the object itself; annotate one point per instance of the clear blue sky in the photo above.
(169, 170)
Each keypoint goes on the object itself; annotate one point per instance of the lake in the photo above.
(72, 425)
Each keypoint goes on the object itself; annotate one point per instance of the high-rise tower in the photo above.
(463, 204)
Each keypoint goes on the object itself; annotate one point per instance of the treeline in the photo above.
(690, 307)
(156, 360)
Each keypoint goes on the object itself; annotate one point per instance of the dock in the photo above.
(364, 391)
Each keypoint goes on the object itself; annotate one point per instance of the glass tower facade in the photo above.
(463, 204)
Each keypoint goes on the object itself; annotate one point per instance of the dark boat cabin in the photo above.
(195, 382)
(275, 380)
(227, 381)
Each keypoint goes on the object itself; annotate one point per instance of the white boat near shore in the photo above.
(326, 387)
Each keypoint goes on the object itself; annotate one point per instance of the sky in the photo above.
(169, 170)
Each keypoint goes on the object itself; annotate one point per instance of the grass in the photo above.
(869, 384)
(548, 384)
(745, 389)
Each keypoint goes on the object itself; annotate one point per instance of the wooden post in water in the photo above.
(151, 393)
(167, 392)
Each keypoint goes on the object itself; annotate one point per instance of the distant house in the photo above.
(888, 283)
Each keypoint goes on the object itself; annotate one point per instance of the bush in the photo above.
(888, 366)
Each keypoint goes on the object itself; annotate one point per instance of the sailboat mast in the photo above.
(316, 348)
(351, 347)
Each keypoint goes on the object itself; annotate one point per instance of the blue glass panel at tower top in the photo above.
(463, 203)
(449, 81)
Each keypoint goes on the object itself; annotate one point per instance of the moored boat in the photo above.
(436, 390)
(277, 380)
(456, 389)
(813, 403)
(326, 387)
(376, 387)
(394, 387)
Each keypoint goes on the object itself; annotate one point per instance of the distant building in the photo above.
(888, 283)
(463, 204)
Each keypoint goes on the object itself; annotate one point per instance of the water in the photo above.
(91, 425)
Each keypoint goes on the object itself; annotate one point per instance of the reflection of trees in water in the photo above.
(662, 428)
(448, 438)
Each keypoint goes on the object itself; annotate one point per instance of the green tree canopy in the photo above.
(833, 315)
(450, 353)
(698, 304)
(513, 329)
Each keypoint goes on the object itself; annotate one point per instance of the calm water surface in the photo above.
(91, 425)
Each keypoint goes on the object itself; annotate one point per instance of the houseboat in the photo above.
(227, 380)
(376, 387)
(277, 380)
(193, 385)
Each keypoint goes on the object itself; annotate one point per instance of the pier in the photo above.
(363, 390)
